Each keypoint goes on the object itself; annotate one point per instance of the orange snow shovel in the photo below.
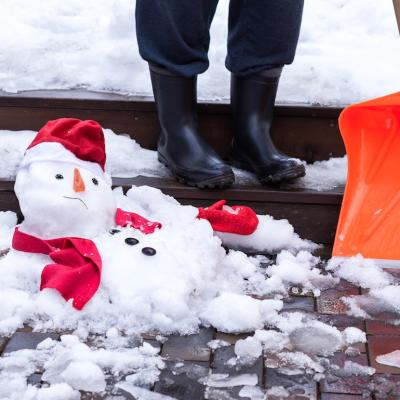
(369, 221)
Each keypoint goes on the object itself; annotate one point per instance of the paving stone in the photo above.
(34, 380)
(346, 286)
(27, 340)
(382, 328)
(394, 271)
(386, 387)
(150, 335)
(25, 328)
(342, 321)
(220, 365)
(299, 304)
(379, 345)
(334, 382)
(335, 396)
(181, 380)
(300, 386)
(97, 396)
(189, 348)
(330, 301)
(224, 394)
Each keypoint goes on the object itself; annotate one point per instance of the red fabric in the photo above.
(76, 271)
(242, 221)
(83, 138)
(125, 218)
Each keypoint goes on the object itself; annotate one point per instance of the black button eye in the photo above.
(59, 176)
(114, 231)
(149, 251)
(131, 241)
(95, 181)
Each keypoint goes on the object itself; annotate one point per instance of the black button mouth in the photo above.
(131, 241)
(149, 251)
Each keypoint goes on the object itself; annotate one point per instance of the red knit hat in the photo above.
(69, 140)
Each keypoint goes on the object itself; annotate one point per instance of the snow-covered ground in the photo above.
(125, 158)
(349, 50)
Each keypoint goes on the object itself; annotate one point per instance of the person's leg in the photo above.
(262, 39)
(173, 36)
(262, 34)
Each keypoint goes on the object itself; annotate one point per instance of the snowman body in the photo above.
(153, 277)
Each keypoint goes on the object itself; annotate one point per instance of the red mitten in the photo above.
(240, 220)
(126, 218)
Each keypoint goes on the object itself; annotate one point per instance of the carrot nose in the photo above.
(79, 185)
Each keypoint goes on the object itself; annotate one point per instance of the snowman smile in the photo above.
(77, 198)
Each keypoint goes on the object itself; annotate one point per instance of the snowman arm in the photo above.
(240, 220)
(126, 218)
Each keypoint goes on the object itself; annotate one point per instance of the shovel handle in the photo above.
(396, 4)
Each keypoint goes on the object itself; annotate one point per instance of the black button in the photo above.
(131, 241)
(114, 231)
(148, 251)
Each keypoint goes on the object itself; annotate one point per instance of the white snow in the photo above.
(224, 380)
(271, 236)
(142, 393)
(391, 359)
(361, 272)
(126, 159)
(71, 365)
(231, 312)
(175, 290)
(8, 220)
(383, 290)
(92, 44)
(248, 349)
(315, 337)
(353, 335)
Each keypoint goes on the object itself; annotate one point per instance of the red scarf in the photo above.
(76, 271)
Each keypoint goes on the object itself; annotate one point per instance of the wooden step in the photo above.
(313, 214)
(307, 132)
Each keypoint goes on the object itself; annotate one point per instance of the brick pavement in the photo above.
(189, 359)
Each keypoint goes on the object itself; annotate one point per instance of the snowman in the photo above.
(72, 222)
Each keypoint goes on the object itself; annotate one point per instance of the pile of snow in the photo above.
(92, 44)
(323, 175)
(174, 290)
(70, 366)
(127, 159)
(382, 289)
(8, 220)
(297, 342)
(391, 359)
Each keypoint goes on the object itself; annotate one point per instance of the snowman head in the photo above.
(61, 184)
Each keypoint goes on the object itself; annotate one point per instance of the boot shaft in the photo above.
(175, 97)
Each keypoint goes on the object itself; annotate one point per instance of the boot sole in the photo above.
(297, 171)
(216, 182)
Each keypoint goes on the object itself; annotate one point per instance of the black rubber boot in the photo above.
(181, 148)
(253, 100)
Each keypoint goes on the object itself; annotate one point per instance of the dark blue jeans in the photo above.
(175, 34)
